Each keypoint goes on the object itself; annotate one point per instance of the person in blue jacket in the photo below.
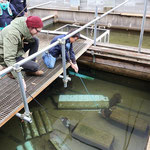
(53, 53)
(20, 6)
(7, 13)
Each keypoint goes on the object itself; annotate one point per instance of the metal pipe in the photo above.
(142, 26)
(6, 70)
(24, 117)
(57, 42)
(108, 36)
(64, 62)
(23, 94)
(95, 26)
(61, 32)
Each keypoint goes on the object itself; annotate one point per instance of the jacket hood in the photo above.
(20, 24)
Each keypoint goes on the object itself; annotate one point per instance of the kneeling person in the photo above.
(54, 52)
(16, 39)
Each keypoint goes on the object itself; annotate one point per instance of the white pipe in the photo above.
(26, 118)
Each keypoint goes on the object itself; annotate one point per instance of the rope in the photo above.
(40, 104)
(84, 86)
(21, 12)
(127, 144)
(87, 91)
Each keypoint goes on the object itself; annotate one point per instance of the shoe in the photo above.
(37, 73)
(10, 75)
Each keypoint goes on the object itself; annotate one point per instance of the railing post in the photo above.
(142, 26)
(108, 35)
(62, 42)
(95, 26)
(17, 68)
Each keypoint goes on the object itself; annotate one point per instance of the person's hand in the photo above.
(24, 84)
(75, 67)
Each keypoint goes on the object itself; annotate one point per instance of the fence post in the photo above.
(142, 26)
(95, 25)
(17, 68)
(63, 41)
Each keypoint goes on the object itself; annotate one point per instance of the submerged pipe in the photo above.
(80, 75)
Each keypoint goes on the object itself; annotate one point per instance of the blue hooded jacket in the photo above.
(56, 50)
(7, 14)
(20, 6)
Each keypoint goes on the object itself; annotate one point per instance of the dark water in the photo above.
(135, 100)
(135, 96)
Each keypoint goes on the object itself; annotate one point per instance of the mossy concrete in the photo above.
(83, 101)
(122, 116)
(92, 136)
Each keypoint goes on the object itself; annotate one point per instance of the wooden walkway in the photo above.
(10, 97)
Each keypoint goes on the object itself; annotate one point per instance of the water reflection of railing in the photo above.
(17, 66)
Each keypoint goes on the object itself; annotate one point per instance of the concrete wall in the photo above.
(120, 21)
(133, 6)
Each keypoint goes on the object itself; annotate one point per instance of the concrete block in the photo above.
(92, 136)
(83, 101)
(124, 117)
(19, 147)
(62, 141)
(39, 123)
(27, 131)
(73, 124)
(57, 139)
(46, 121)
(28, 145)
(33, 128)
(58, 125)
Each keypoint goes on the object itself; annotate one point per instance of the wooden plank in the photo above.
(115, 57)
(122, 47)
(118, 64)
(118, 67)
(134, 15)
(134, 55)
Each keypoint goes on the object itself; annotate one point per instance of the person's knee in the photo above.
(51, 66)
(36, 41)
(34, 67)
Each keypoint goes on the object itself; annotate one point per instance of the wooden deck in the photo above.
(10, 97)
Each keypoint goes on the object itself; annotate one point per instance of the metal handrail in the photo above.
(57, 42)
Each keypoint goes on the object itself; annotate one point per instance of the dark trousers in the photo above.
(30, 66)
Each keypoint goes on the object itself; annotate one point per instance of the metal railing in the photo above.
(16, 67)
